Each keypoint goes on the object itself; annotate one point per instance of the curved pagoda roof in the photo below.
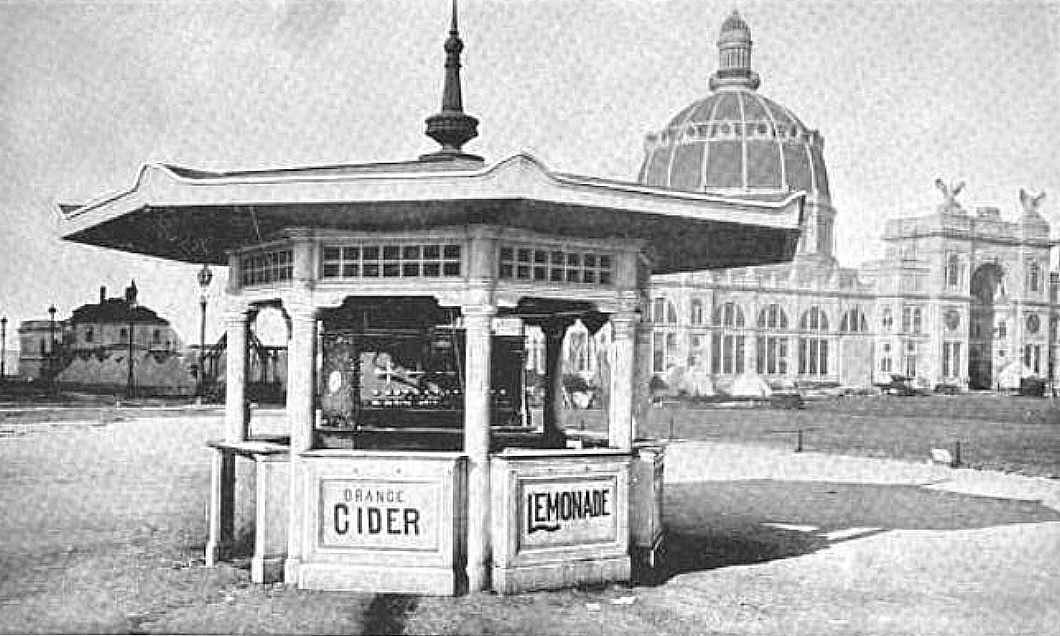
(197, 216)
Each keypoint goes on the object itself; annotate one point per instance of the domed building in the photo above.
(739, 142)
(960, 299)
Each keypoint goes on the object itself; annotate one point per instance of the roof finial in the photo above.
(452, 127)
(734, 55)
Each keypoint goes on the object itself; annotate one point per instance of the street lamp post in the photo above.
(204, 277)
(3, 349)
(129, 380)
(51, 344)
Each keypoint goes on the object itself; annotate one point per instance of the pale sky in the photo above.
(903, 92)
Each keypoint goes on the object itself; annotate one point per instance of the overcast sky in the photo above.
(903, 92)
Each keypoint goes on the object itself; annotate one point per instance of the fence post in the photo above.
(956, 463)
(798, 443)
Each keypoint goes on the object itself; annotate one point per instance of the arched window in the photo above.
(90, 334)
(814, 319)
(772, 317)
(727, 343)
(663, 312)
(728, 315)
(813, 346)
(697, 311)
(887, 319)
(917, 322)
(854, 321)
(953, 272)
(771, 350)
(156, 336)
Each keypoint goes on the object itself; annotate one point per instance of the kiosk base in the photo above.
(385, 580)
(564, 574)
(560, 518)
(382, 521)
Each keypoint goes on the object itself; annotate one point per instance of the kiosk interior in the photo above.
(392, 377)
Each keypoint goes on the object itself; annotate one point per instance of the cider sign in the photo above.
(401, 515)
(568, 512)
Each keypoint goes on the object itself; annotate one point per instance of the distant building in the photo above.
(36, 347)
(961, 298)
(91, 348)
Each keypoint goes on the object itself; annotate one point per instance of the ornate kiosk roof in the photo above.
(199, 216)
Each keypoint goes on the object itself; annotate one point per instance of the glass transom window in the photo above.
(406, 260)
(266, 266)
(555, 265)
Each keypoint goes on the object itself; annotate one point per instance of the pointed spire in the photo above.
(452, 127)
(131, 292)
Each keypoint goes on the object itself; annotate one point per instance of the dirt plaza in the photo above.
(104, 530)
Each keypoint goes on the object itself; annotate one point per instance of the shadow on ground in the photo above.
(724, 523)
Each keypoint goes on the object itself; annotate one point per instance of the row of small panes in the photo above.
(266, 267)
(391, 261)
(555, 266)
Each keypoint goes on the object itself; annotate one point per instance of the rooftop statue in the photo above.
(1029, 202)
(949, 194)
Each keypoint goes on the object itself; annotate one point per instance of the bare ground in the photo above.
(104, 526)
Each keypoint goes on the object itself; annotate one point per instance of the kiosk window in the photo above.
(525, 263)
(266, 266)
(390, 261)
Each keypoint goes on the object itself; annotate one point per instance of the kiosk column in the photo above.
(300, 367)
(620, 407)
(477, 323)
(236, 415)
(221, 514)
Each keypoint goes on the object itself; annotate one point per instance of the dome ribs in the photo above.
(783, 184)
(743, 142)
(706, 151)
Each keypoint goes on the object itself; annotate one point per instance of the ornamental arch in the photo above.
(986, 329)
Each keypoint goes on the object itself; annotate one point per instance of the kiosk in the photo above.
(414, 463)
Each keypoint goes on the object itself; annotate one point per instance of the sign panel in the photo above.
(379, 514)
(569, 511)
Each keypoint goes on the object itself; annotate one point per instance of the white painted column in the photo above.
(221, 512)
(301, 352)
(623, 375)
(477, 323)
(555, 330)
(642, 372)
(237, 418)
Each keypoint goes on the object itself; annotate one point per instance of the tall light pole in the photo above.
(3, 349)
(51, 343)
(129, 381)
(205, 276)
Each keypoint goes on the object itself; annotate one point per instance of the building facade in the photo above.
(961, 298)
(115, 344)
